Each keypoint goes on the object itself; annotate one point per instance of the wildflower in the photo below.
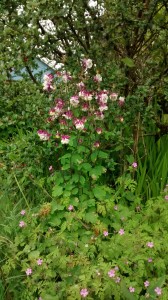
(99, 130)
(105, 233)
(87, 63)
(97, 78)
(118, 279)
(121, 119)
(96, 144)
(146, 283)
(47, 84)
(121, 231)
(131, 289)
(80, 85)
(74, 101)
(116, 268)
(103, 107)
(65, 139)
(84, 293)
(86, 95)
(28, 271)
(68, 115)
(70, 207)
(85, 107)
(39, 262)
(166, 197)
(66, 77)
(158, 291)
(22, 212)
(102, 96)
(99, 115)
(111, 273)
(150, 259)
(134, 165)
(115, 207)
(43, 135)
(22, 224)
(113, 96)
(50, 168)
(121, 101)
(150, 244)
(79, 124)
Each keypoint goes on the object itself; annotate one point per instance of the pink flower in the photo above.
(50, 168)
(65, 139)
(47, 84)
(99, 115)
(150, 244)
(96, 144)
(113, 96)
(39, 262)
(70, 207)
(102, 97)
(80, 85)
(86, 95)
(28, 271)
(111, 273)
(166, 197)
(85, 107)
(146, 283)
(22, 212)
(79, 124)
(121, 231)
(87, 63)
(97, 78)
(118, 279)
(105, 233)
(68, 115)
(66, 77)
(22, 224)
(131, 289)
(150, 259)
(99, 130)
(134, 165)
(121, 101)
(158, 291)
(84, 293)
(74, 101)
(103, 107)
(43, 135)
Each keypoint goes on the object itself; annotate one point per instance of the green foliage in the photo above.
(76, 254)
(152, 174)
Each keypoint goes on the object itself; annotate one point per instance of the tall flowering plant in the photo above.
(85, 123)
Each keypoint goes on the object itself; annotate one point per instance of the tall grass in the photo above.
(152, 175)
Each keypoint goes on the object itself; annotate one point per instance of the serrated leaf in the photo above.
(57, 191)
(91, 217)
(99, 192)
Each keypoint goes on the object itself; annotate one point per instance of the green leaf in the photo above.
(57, 191)
(91, 217)
(99, 192)
(128, 62)
(34, 254)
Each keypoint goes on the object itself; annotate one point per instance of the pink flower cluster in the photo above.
(43, 135)
(94, 103)
(47, 83)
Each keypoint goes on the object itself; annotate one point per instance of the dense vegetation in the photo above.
(84, 168)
